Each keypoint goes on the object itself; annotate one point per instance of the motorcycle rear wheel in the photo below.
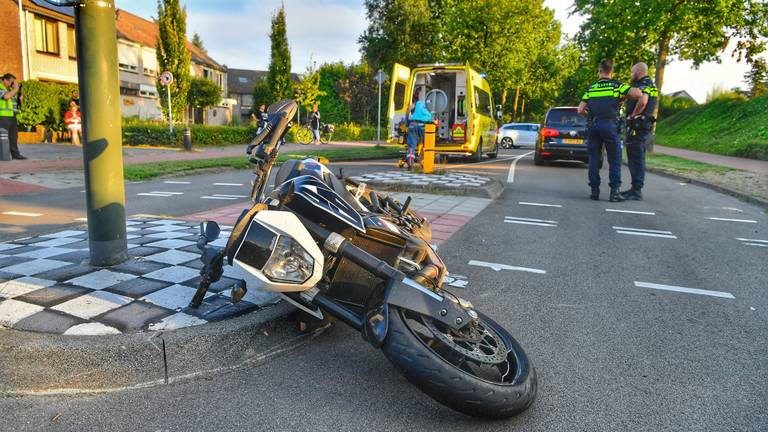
(480, 381)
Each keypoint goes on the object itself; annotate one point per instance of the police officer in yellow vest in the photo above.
(8, 90)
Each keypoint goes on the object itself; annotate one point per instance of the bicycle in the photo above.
(304, 134)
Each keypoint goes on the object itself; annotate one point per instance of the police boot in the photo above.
(615, 195)
(633, 194)
(595, 194)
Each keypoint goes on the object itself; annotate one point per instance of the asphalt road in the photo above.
(618, 343)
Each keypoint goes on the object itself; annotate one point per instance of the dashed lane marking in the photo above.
(631, 212)
(154, 194)
(538, 204)
(753, 242)
(177, 182)
(529, 221)
(644, 232)
(500, 267)
(511, 175)
(732, 220)
(228, 184)
(16, 213)
(224, 197)
(720, 294)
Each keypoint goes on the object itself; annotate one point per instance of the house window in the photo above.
(127, 57)
(125, 91)
(71, 44)
(149, 61)
(46, 35)
(147, 91)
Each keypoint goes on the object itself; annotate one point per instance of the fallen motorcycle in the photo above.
(330, 246)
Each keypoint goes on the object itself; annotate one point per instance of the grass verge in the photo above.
(681, 166)
(147, 171)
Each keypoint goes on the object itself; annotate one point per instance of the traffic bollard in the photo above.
(428, 163)
(5, 146)
(187, 139)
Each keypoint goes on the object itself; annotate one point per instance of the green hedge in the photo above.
(157, 134)
(44, 104)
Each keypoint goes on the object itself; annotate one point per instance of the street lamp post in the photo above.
(102, 136)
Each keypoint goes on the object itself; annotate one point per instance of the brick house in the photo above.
(137, 60)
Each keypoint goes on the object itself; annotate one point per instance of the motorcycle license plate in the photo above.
(573, 141)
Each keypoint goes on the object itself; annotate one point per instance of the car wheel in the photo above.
(507, 143)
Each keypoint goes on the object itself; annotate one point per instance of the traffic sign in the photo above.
(380, 77)
(166, 78)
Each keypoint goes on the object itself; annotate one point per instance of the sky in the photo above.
(236, 33)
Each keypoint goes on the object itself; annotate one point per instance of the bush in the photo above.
(44, 104)
(669, 105)
(154, 134)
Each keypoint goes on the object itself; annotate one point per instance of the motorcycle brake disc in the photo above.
(477, 347)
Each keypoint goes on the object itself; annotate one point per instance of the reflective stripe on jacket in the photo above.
(7, 106)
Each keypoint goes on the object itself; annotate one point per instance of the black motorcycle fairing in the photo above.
(293, 168)
(307, 194)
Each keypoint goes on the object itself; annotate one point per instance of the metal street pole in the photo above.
(102, 138)
(170, 109)
(380, 77)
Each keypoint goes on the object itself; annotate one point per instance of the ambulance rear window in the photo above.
(399, 96)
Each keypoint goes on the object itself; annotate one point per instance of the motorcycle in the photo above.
(331, 247)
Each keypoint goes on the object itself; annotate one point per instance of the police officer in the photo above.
(639, 124)
(8, 108)
(601, 103)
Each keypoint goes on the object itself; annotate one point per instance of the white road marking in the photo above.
(530, 220)
(646, 234)
(81, 219)
(529, 223)
(177, 182)
(751, 240)
(500, 267)
(630, 211)
(683, 184)
(168, 193)
(15, 213)
(153, 194)
(732, 220)
(480, 163)
(756, 244)
(228, 184)
(218, 197)
(511, 175)
(721, 294)
(538, 204)
(231, 196)
(733, 209)
(642, 230)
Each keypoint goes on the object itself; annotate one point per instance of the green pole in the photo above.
(102, 140)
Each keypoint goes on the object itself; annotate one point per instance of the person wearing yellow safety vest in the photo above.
(8, 90)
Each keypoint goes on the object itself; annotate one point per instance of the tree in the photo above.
(172, 54)
(757, 78)
(262, 94)
(203, 93)
(279, 74)
(198, 42)
(307, 91)
(697, 30)
(334, 102)
(402, 31)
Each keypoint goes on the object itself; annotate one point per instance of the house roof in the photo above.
(243, 80)
(144, 32)
(680, 94)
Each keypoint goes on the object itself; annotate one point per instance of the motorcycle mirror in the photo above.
(210, 230)
(238, 291)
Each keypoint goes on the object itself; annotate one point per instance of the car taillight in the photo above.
(549, 132)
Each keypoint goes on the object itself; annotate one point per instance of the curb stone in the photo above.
(45, 364)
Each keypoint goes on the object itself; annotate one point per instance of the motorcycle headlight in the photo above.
(289, 262)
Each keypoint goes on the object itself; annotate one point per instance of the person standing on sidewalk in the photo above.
(9, 88)
(314, 124)
(639, 125)
(73, 120)
(601, 103)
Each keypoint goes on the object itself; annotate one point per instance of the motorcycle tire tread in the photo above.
(450, 386)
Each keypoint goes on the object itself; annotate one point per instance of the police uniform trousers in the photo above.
(603, 133)
(10, 125)
(635, 145)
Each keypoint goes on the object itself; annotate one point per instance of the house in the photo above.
(39, 42)
(240, 83)
(137, 61)
(682, 94)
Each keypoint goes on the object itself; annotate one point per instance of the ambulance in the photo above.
(460, 101)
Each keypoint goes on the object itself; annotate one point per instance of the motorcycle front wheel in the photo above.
(481, 371)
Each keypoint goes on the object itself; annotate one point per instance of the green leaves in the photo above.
(279, 74)
(173, 55)
(203, 93)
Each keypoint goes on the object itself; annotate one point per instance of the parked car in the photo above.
(562, 137)
(514, 135)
